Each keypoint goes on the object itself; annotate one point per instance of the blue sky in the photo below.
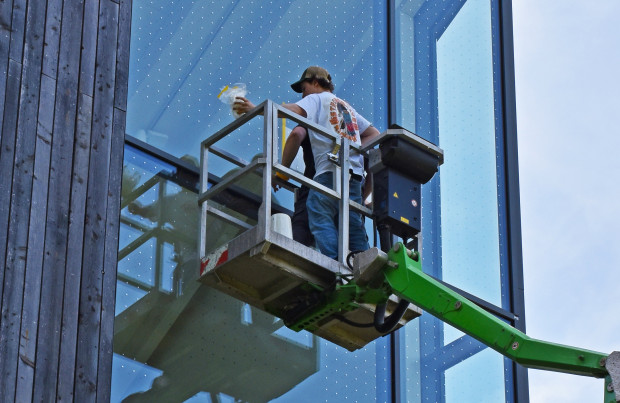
(567, 61)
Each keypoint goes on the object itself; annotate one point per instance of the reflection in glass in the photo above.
(176, 339)
(445, 50)
(184, 53)
(190, 342)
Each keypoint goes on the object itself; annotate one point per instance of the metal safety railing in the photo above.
(266, 165)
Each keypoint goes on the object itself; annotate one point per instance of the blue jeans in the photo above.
(323, 217)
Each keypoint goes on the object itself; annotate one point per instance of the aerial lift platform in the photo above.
(345, 301)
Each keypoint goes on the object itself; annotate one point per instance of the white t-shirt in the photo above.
(337, 116)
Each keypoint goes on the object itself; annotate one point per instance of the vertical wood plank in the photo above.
(63, 70)
(6, 8)
(110, 258)
(6, 140)
(19, 224)
(21, 195)
(7, 151)
(73, 268)
(9, 318)
(104, 380)
(36, 230)
(56, 229)
(96, 205)
(89, 46)
(18, 25)
(52, 37)
(122, 56)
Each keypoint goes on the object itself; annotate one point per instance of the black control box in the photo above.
(396, 202)
(401, 164)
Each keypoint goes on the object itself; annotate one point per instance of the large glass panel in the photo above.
(469, 216)
(179, 340)
(183, 53)
(176, 339)
(445, 60)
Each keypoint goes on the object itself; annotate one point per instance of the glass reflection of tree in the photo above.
(198, 337)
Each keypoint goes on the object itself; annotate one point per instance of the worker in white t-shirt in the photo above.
(322, 107)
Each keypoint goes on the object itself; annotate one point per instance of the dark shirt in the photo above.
(301, 230)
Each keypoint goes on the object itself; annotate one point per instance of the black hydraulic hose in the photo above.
(382, 323)
(385, 237)
(386, 325)
(349, 256)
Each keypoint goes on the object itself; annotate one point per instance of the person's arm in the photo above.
(296, 109)
(243, 105)
(368, 135)
(291, 147)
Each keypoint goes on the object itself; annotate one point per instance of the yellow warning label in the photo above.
(403, 219)
(395, 195)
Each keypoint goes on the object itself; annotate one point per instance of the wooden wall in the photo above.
(63, 94)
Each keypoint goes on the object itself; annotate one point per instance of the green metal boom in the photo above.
(408, 281)
(404, 277)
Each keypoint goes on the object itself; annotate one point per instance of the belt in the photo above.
(356, 177)
(351, 175)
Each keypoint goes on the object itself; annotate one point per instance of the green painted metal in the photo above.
(343, 298)
(409, 281)
(610, 396)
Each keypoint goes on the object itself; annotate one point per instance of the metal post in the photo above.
(204, 185)
(343, 217)
(264, 213)
(159, 248)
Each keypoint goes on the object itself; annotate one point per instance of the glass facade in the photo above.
(457, 102)
(431, 67)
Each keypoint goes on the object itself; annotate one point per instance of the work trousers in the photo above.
(323, 217)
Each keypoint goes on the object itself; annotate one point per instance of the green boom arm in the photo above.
(408, 281)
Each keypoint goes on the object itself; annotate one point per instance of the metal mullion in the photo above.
(135, 244)
(511, 172)
(396, 347)
(135, 224)
(140, 190)
(131, 281)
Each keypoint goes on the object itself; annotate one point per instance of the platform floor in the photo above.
(268, 270)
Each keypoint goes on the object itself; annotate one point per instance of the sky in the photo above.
(567, 78)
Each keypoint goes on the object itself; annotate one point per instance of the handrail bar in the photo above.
(235, 124)
(269, 164)
(232, 178)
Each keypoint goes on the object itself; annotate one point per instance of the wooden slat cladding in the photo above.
(63, 94)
